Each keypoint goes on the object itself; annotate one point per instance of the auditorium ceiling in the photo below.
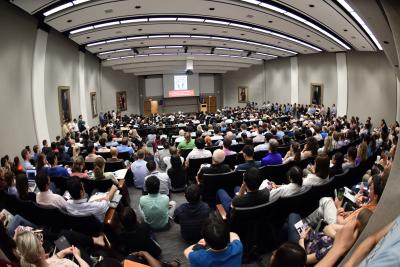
(146, 37)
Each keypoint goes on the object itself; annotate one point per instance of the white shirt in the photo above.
(165, 182)
(167, 161)
(48, 198)
(284, 191)
(259, 138)
(84, 208)
(198, 154)
(313, 179)
(262, 147)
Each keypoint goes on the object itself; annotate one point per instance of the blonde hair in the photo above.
(98, 170)
(114, 151)
(28, 247)
(78, 165)
(362, 151)
(76, 151)
(328, 144)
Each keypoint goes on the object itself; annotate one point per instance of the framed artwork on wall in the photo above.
(64, 103)
(243, 94)
(121, 101)
(317, 93)
(93, 103)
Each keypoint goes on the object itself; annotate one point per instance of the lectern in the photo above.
(203, 108)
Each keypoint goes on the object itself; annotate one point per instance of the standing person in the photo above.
(81, 124)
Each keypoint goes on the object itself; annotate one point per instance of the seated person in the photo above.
(319, 172)
(77, 168)
(91, 153)
(265, 146)
(177, 173)
(249, 195)
(102, 148)
(248, 154)
(226, 145)
(9, 179)
(22, 185)
(191, 215)
(123, 147)
(351, 158)
(46, 197)
(337, 161)
(98, 171)
(187, 143)
(217, 165)
(26, 156)
(294, 153)
(165, 182)
(139, 169)
(286, 190)
(114, 155)
(273, 157)
(167, 160)
(225, 248)
(55, 170)
(135, 236)
(288, 254)
(198, 152)
(155, 207)
(310, 148)
(79, 204)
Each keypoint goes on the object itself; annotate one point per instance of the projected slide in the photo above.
(180, 82)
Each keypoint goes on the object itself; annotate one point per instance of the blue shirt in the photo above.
(274, 158)
(387, 251)
(57, 171)
(324, 135)
(139, 171)
(124, 148)
(230, 257)
(248, 164)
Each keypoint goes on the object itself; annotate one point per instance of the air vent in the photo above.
(108, 11)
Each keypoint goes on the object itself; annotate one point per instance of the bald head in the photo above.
(218, 156)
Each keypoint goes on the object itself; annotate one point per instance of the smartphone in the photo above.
(62, 243)
(340, 194)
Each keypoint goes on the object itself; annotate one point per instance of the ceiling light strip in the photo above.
(64, 6)
(174, 54)
(360, 21)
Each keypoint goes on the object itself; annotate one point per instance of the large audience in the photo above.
(161, 152)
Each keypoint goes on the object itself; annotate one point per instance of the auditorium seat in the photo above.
(114, 166)
(212, 182)
(105, 155)
(60, 182)
(99, 185)
(124, 156)
(231, 160)
(276, 173)
(194, 166)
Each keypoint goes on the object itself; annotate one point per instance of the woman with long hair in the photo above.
(77, 168)
(41, 162)
(294, 154)
(98, 171)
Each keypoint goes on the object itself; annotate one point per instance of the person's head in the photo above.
(192, 193)
(227, 142)
(218, 156)
(328, 143)
(78, 165)
(273, 145)
(268, 136)
(114, 152)
(199, 143)
(141, 154)
(128, 218)
(75, 188)
(43, 181)
(295, 175)
(351, 153)
(91, 149)
(30, 249)
(362, 151)
(208, 141)
(296, 150)
(176, 162)
(102, 142)
(151, 166)
(9, 178)
(188, 137)
(322, 166)
(216, 233)
(252, 179)
(44, 143)
(376, 185)
(153, 185)
(98, 167)
(248, 152)
(173, 150)
(25, 154)
(124, 141)
(108, 262)
(52, 158)
(338, 159)
(76, 151)
(289, 254)
(312, 145)
(21, 183)
(35, 149)
(41, 161)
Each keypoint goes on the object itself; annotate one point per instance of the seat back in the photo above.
(302, 164)
(114, 166)
(184, 152)
(283, 150)
(88, 225)
(60, 182)
(194, 166)
(276, 173)
(213, 148)
(124, 155)
(102, 185)
(237, 148)
(89, 166)
(231, 160)
(258, 155)
(48, 216)
(105, 155)
(298, 203)
(212, 182)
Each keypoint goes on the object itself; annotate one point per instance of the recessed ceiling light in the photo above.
(250, 16)
(100, 48)
(140, 30)
(137, 7)
(141, 43)
(270, 21)
(211, 8)
(385, 42)
(332, 48)
(242, 34)
(363, 46)
(279, 42)
(396, 66)
(345, 30)
(184, 42)
(87, 37)
(311, 5)
(308, 35)
(118, 32)
(194, 29)
(224, 44)
(107, 11)
(305, 50)
(69, 21)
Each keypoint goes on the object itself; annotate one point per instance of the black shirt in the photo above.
(251, 199)
(214, 169)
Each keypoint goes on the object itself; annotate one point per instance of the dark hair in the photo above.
(227, 142)
(140, 154)
(322, 166)
(192, 193)
(24, 153)
(151, 165)
(252, 178)
(297, 151)
(21, 183)
(289, 254)
(248, 150)
(90, 147)
(215, 233)
(312, 145)
(268, 136)
(352, 152)
(40, 162)
(74, 187)
(153, 184)
(379, 185)
(176, 162)
(339, 158)
(42, 180)
(102, 142)
(199, 143)
(128, 218)
(51, 158)
(9, 178)
(295, 175)
(98, 168)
